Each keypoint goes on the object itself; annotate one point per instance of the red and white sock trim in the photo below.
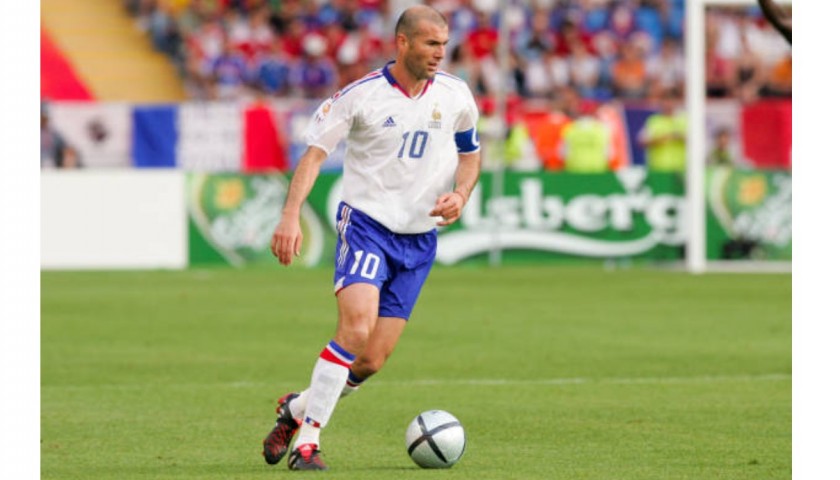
(333, 353)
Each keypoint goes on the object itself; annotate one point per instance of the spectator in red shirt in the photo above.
(483, 39)
(569, 35)
(293, 38)
(252, 36)
(335, 35)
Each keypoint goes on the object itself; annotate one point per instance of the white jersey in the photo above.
(401, 151)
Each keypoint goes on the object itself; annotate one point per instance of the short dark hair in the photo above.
(407, 23)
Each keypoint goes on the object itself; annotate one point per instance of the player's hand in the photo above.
(287, 239)
(449, 206)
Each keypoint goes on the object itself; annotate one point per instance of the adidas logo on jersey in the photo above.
(390, 122)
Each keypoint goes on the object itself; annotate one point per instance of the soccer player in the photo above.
(412, 160)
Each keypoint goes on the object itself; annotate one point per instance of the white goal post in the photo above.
(696, 109)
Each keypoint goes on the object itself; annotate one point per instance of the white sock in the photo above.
(328, 380)
(298, 405)
(347, 390)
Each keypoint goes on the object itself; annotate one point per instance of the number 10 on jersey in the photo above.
(417, 145)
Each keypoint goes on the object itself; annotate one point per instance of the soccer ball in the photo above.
(435, 439)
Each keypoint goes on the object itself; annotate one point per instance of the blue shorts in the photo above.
(397, 264)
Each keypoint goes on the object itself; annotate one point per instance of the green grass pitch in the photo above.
(556, 372)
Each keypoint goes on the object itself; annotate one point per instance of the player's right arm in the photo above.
(288, 237)
(329, 125)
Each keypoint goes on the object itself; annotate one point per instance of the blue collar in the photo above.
(394, 83)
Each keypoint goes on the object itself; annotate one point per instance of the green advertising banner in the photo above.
(232, 218)
(539, 216)
(551, 216)
(749, 214)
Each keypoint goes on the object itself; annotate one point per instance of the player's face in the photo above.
(425, 50)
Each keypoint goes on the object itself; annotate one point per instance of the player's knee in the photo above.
(353, 337)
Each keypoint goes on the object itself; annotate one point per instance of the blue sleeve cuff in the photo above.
(467, 141)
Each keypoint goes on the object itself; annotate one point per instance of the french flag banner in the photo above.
(154, 136)
(99, 131)
(210, 137)
(265, 144)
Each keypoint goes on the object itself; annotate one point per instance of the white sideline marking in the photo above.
(476, 382)
(582, 380)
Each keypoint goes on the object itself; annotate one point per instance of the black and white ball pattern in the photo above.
(435, 439)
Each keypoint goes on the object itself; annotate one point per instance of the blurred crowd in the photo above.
(568, 59)
(604, 49)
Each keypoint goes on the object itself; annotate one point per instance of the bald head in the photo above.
(412, 16)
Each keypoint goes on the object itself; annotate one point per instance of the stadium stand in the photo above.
(111, 57)
(258, 65)
(626, 49)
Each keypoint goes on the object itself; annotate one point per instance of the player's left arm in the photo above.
(451, 204)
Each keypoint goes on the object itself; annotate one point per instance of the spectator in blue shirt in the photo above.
(314, 76)
(229, 72)
(272, 71)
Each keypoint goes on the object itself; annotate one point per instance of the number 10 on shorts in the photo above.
(369, 267)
